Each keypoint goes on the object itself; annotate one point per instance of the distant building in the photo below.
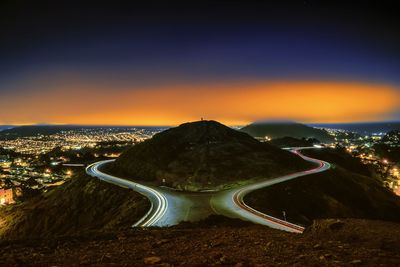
(6, 196)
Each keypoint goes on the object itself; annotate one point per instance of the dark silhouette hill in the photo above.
(204, 153)
(348, 190)
(5, 127)
(286, 129)
(81, 205)
(293, 142)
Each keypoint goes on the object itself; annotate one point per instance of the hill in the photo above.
(346, 191)
(340, 157)
(81, 205)
(5, 127)
(292, 142)
(204, 154)
(286, 129)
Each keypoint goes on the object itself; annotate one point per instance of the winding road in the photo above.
(230, 203)
(169, 207)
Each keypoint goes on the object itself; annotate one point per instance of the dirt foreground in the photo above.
(225, 243)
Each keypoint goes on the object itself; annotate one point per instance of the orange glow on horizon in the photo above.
(230, 103)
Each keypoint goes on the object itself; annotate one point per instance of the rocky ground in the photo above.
(217, 242)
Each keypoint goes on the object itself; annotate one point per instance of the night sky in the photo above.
(121, 63)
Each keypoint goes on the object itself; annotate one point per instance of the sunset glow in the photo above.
(230, 102)
(151, 67)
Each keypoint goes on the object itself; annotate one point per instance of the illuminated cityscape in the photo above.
(42, 161)
(370, 149)
(73, 139)
(199, 133)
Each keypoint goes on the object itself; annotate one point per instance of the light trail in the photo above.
(229, 202)
(248, 213)
(159, 203)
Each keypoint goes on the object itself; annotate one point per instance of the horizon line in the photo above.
(155, 125)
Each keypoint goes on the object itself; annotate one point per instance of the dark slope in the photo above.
(346, 191)
(83, 204)
(283, 129)
(204, 153)
(292, 142)
(340, 157)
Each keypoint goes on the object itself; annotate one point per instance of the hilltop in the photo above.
(286, 129)
(204, 154)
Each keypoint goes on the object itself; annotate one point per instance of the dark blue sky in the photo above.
(305, 40)
(120, 42)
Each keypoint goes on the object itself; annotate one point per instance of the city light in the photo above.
(42, 172)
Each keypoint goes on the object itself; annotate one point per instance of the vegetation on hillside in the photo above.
(82, 204)
(293, 142)
(345, 191)
(204, 153)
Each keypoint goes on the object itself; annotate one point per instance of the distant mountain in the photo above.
(5, 127)
(204, 154)
(362, 128)
(286, 129)
(31, 130)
